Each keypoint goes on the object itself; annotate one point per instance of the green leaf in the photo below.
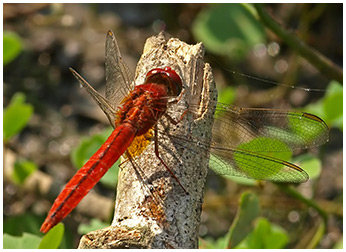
(110, 179)
(235, 39)
(330, 107)
(26, 241)
(242, 180)
(333, 104)
(28, 222)
(22, 170)
(248, 210)
(339, 244)
(12, 46)
(316, 109)
(310, 164)
(210, 243)
(53, 238)
(87, 147)
(265, 236)
(16, 115)
(265, 143)
(246, 154)
(226, 95)
(92, 226)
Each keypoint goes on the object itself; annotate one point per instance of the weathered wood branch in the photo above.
(152, 210)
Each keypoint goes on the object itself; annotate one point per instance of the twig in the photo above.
(322, 63)
(307, 201)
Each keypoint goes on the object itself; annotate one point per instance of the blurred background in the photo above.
(51, 126)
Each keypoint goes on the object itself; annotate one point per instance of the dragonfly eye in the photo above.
(165, 76)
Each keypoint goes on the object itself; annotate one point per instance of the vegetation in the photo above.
(46, 116)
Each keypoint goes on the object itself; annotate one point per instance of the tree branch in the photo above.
(152, 210)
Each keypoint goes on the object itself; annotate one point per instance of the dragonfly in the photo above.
(246, 142)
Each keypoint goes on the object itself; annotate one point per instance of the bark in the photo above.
(152, 210)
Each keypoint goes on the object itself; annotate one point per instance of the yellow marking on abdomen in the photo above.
(140, 143)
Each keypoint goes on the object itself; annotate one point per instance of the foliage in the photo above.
(226, 95)
(248, 230)
(16, 115)
(87, 147)
(265, 235)
(242, 33)
(311, 164)
(25, 223)
(248, 210)
(53, 238)
(92, 226)
(339, 244)
(210, 243)
(12, 46)
(265, 143)
(26, 241)
(330, 107)
(22, 170)
(231, 33)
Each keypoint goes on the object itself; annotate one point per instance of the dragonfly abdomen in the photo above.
(86, 178)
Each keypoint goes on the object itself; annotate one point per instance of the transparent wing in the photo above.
(101, 101)
(233, 127)
(247, 164)
(119, 80)
(254, 143)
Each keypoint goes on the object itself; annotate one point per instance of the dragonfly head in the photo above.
(166, 76)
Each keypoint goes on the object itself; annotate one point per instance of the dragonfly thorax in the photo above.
(143, 107)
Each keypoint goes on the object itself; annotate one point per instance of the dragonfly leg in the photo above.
(162, 162)
(176, 100)
(153, 201)
(173, 121)
(123, 163)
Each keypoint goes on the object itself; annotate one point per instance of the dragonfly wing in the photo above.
(253, 165)
(103, 103)
(245, 163)
(253, 143)
(297, 130)
(118, 75)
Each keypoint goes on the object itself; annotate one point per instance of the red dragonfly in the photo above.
(241, 144)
